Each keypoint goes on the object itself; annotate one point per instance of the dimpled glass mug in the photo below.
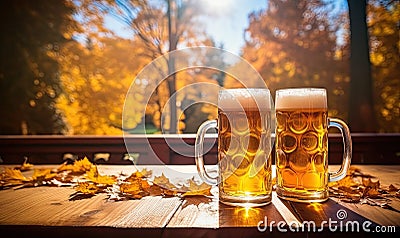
(244, 147)
(302, 145)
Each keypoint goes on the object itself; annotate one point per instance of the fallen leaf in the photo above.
(43, 175)
(164, 182)
(195, 189)
(367, 182)
(135, 189)
(372, 193)
(87, 188)
(139, 174)
(94, 176)
(25, 166)
(13, 175)
(79, 166)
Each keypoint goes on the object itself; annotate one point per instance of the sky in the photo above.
(228, 26)
(225, 21)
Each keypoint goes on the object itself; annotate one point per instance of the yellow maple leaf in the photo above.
(164, 182)
(13, 176)
(195, 189)
(87, 188)
(43, 175)
(80, 166)
(144, 173)
(135, 188)
(139, 174)
(94, 176)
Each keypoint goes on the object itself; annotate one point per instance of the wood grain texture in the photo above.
(48, 208)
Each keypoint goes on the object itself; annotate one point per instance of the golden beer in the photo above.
(301, 151)
(244, 146)
(302, 145)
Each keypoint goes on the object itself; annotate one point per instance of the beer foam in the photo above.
(301, 98)
(241, 98)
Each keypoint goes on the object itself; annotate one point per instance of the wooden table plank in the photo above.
(49, 207)
(197, 212)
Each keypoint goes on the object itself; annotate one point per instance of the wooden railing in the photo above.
(169, 149)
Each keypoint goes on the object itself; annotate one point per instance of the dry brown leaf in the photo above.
(367, 182)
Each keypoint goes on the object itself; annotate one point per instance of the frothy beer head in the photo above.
(303, 98)
(244, 99)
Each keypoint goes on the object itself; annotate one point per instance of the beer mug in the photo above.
(244, 147)
(302, 145)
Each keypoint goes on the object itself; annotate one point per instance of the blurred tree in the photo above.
(29, 79)
(383, 22)
(161, 26)
(95, 78)
(294, 44)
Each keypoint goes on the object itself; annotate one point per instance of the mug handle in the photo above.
(198, 151)
(347, 149)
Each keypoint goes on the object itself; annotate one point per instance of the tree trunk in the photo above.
(171, 66)
(361, 111)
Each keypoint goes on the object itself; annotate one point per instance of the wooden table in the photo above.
(48, 212)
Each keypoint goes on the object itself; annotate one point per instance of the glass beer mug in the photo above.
(244, 147)
(302, 145)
